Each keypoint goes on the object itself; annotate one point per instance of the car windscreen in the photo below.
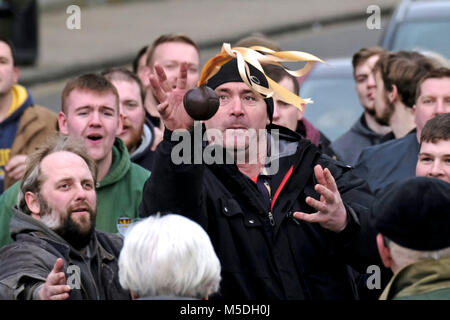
(423, 35)
(336, 106)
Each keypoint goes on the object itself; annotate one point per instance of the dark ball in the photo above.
(201, 103)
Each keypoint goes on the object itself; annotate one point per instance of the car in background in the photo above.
(419, 26)
(336, 105)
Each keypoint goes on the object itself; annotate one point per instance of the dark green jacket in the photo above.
(26, 263)
(423, 280)
(118, 194)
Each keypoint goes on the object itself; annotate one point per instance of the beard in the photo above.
(370, 111)
(385, 118)
(76, 234)
(133, 137)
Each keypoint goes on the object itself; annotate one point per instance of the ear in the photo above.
(393, 94)
(385, 252)
(16, 74)
(301, 112)
(146, 72)
(62, 122)
(33, 205)
(120, 124)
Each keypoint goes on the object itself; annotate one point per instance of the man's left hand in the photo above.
(331, 213)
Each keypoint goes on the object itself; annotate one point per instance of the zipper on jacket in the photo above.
(271, 219)
(269, 214)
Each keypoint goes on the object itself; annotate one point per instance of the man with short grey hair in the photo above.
(412, 219)
(168, 257)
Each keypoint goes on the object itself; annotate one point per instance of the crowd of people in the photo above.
(96, 204)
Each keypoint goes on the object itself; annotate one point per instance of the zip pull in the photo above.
(271, 219)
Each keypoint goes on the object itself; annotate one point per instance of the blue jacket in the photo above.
(388, 162)
(348, 146)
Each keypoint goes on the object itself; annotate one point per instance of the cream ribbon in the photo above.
(255, 56)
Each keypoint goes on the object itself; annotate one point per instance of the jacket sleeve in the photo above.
(36, 125)
(357, 242)
(23, 269)
(361, 169)
(7, 202)
(176, 184)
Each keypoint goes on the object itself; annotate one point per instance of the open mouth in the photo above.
(95, 137)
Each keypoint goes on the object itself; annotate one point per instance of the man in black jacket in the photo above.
(282, 226)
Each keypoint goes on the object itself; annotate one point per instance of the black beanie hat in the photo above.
(229, 73)
(415, 213)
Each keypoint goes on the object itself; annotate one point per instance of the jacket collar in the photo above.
(419, 277)
(23, 223)
(120, 164)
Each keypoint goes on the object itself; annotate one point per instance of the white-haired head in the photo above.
(168, 255)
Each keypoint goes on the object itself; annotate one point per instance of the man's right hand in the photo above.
(55, 287)
(171, 108)
(15, 169)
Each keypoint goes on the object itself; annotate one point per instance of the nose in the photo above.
(237, 109)
(436, 169)
(440, 108)
(371, 80)
(80, 192)
(276, 115)
(123, 111)
(94, 120)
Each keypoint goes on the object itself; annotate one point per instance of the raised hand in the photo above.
(171, 108)
(331, 213)
(16, 166)
(55, 287)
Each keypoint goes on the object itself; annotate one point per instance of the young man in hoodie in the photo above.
(90, 112)
(138, 132)
(23, 125)
(366, 131)
(398, 78)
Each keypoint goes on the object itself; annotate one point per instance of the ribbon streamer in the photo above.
(256, 56)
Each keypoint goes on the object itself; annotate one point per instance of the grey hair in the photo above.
(169, 255)
(32, 179)
(403, 256)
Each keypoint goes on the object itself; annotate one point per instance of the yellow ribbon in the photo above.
(255, 56)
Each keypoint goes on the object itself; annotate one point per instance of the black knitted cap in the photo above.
(229, 73)
(415, 213)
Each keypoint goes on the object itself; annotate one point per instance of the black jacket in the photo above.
(26, 263)
(290, 260)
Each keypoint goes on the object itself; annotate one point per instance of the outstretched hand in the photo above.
(171, 108)
(55, 287)
(331, 213)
